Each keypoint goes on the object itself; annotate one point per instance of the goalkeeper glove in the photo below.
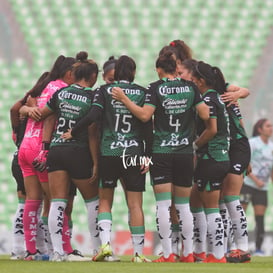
(39, 162)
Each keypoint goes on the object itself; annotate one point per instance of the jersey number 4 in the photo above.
(174, 123)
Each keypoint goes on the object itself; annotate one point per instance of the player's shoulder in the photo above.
(105, 88)
(61, 90)
(155, 84)
(211, 95)
(186, 82)
(140, 87)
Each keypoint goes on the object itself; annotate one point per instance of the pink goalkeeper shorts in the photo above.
(26, 157)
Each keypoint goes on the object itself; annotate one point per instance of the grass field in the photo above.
(258, 264)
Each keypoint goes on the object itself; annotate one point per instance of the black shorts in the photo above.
(17, 173)
(172, 168)
(209, 174)
(111, 168)
(76, 161)
(239, 155)
(255, 196)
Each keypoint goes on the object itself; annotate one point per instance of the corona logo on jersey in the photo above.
(165, 90)
(71, 96)
(127, 91)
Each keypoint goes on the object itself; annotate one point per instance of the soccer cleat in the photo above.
(14, 256)
(237, 256)
(57, 257)
(111, 258)
(187, 259)
(140, 259)
(76, 256)
(245, 257)
(199, 257)
(211, 259)
(162, 259)
(104, 251)
(177, 257)
(30, 256)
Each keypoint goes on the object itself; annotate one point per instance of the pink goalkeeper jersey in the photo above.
(34, 129)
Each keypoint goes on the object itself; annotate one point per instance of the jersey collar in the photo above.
(81, 87)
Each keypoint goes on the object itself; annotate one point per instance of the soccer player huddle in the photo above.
(185, 129)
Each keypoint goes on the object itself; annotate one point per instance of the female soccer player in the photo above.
(212, 164)
(70, 104)
(122, 155)
(181, 51)
(109, 77)
(18, 129)
(35, 182)
(239, 153)
(172, 102)
(109, 70)
(257, 182)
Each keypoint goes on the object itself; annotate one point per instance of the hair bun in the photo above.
(82, 56)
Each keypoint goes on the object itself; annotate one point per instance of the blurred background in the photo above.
(236, 35)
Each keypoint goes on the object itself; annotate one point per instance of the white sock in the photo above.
(92, 212)
(226, 223)
(200, 230)
(47, 236)
(175, 239)
(41, 240)
(105, 227)
(215, 232)
(163, 221)
(18, 238)
(186, 225)
(137, 234)
(55, 223)
(239, 222)
(231, 245)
